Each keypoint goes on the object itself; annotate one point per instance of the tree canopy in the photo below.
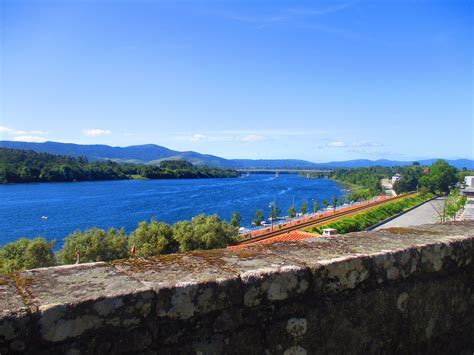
(20, 166)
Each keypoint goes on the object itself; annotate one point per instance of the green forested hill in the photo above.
(154, 154)
(17, 166)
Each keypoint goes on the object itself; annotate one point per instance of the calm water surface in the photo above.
(105, 204)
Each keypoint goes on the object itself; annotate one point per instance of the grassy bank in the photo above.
(364, 220)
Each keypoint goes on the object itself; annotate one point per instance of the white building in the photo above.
(329, 231)
(469, 181)
(395, 178)
(468, 189)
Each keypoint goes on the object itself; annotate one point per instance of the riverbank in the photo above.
(357, 192)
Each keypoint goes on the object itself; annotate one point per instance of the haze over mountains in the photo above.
(153, 154)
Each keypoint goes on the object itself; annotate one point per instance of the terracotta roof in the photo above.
(292, 236)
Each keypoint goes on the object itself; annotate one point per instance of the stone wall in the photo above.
(398, 290)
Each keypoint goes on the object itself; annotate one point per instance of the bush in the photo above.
(94, 245)
(26, 254)
(153, 238)
(204, 232)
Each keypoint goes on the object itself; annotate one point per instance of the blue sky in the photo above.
(316, 80)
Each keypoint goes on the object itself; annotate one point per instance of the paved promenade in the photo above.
(468, 213)
(425, 214)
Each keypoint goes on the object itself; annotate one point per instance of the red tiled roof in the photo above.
(287, 237)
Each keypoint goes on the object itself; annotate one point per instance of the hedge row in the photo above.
(364, 220)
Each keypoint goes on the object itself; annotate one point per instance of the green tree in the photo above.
(94, 245)
(409, 180)
(325, 203)
(275, 211)
(18, 165)
(154, 238)
(315, 205)
(440, 178)
(304, 207)
(236, 219)
(334, 203)
(204, 232)
(454, 203)
(259, 217)
(292, 211)
(26, 254)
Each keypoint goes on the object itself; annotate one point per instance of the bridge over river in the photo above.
(283, 171)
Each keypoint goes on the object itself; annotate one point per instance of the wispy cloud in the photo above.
(305, 17)
(352, 147)
(289, 15)
(260, 20)
(198, 138)
(22, 135)
(96, 132)
(367, 144)
(245, 136)
(336, 144)
(323, 10)
(32, 139)
(11, 131)
(253, 138)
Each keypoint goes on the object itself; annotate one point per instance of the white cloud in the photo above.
(198, 138)
(253, 138)
(33, 139)
(240, 135)
(336, 144)
(11, 131)
(24, 136)
(96, 132)
(353, 147)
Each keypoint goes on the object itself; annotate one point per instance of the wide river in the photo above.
(105, 204)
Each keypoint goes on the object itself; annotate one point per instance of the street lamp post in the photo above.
(271, 205)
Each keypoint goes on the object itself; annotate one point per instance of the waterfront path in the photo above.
(319, 220)
(424, 214)
(468, 212)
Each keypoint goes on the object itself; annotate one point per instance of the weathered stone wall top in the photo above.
(44, 307)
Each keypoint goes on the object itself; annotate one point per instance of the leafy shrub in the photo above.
(94, 245)
(26, 254)
(153, 238)
(204, 232)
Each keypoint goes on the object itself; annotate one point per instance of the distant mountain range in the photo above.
(153, 154)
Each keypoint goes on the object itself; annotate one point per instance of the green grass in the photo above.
(364, 220)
